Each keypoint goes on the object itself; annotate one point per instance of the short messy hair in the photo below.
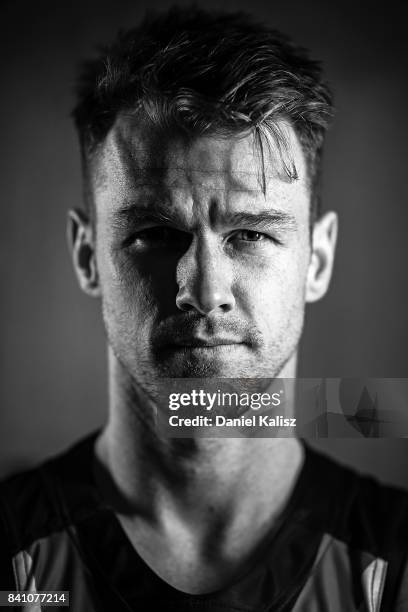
(205, 72)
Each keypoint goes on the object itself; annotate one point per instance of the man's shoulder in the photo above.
(356, 508)
(43, 511)
(32, 502)
(362, 525)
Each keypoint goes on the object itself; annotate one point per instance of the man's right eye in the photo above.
(161, 237)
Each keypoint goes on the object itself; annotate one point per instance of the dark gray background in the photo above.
(53, 372)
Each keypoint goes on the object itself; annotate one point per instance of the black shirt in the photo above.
(340, 546)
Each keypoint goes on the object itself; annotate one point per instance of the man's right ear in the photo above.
(82, 247)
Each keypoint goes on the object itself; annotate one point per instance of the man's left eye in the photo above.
(250, 236)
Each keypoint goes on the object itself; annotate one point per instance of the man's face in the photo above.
(200, 272)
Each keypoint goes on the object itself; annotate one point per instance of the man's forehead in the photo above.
(138, 155)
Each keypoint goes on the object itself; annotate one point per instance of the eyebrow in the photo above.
(136, 215)
(266, 218)
(270, 218)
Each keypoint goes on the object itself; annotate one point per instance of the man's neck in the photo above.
(190, 476)
(192, 492)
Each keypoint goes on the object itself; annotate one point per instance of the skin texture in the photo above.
(202, 275)
(198, 290)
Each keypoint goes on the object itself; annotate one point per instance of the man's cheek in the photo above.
(128, 297)
(278, 295)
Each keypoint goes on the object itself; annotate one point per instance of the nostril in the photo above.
(185, 307)
(226, 307)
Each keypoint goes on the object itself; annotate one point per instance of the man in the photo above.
(201, 138)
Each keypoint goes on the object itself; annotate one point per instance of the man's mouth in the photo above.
(200, 335)
(199, 342)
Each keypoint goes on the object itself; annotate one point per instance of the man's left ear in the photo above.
(324, 238)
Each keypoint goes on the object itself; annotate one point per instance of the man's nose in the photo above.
(204, 277)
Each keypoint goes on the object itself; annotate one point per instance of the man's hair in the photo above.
(211, 73)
